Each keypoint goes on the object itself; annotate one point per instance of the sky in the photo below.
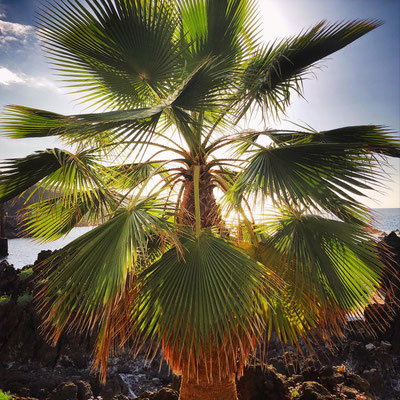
(357, 85)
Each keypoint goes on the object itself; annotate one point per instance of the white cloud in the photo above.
(8, 77)
(13, 32)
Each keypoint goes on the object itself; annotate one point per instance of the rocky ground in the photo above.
(361, 367)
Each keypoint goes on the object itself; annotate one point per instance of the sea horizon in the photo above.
(24, 251)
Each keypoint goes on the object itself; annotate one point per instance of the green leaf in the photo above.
(92, 270)
(19, 174)
(122, 53)
(52, 218)
(128, 176)
(372, 138)
(336, 262)
(276, 71)
(320, 175)
(227, 28)
(204, 295)
(24, 122)
(72, 183)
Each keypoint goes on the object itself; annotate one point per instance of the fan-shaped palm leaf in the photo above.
(279, 69)
(96, 266)
(200, 299)
(334, 260)
(20, 174)
(314, 174)
(121, 53)
(58, 171)
(372, 138)
(54, 217)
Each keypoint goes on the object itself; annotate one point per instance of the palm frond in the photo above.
(62, 174)
(336, 262)
(115, 54)
(372, 138)
(200, 299)
(25, 122)
(54, 217)
(19, 174)
(223, 28)
(94, 267)
(323, 175)
(128, 176)
(276, 71)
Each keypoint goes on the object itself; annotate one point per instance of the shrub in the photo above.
(5, 395)
(24, 299)
(3, 301)
(25, 274)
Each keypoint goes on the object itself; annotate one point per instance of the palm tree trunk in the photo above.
(210, 215)
(204, 390)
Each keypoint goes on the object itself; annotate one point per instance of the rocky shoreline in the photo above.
(360, 367)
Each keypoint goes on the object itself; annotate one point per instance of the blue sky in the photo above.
(357, 85)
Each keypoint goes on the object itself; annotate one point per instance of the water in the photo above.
(387, 219)
(24, 251)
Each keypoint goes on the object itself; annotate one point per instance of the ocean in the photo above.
(24, 251)
(387, 219)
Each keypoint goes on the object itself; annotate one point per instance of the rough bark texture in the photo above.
(204, 390)
(210, 215)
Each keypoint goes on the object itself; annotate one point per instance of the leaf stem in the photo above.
(196, 181)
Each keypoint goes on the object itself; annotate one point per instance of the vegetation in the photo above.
(178, 261)
(5, 395)
(25, 274)
(4, 300)
(24, 299)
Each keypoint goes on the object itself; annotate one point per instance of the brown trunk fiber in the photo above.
(204, 390)
(210, 215)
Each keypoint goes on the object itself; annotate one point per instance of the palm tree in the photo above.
(178, 262)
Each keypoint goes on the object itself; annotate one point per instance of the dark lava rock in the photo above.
(43, 255)
(389, 249)
(355, 381)
(8, 278)
(84, 390)
(114, 386)
(374, 379)
(259, 384)
(314, 391)
(325, 371)
(65, 391)
(163, 394)
(349, 393)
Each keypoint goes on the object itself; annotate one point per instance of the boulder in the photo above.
(8, 278)
(163, 394)
(84, 390)
(314, 391)
(349, 393)
(357, 382)
(113, 386)
(259, 384)
(65, 391)
(375, 379)
(43, 255)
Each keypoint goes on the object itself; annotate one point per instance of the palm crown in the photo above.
(165, 267)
